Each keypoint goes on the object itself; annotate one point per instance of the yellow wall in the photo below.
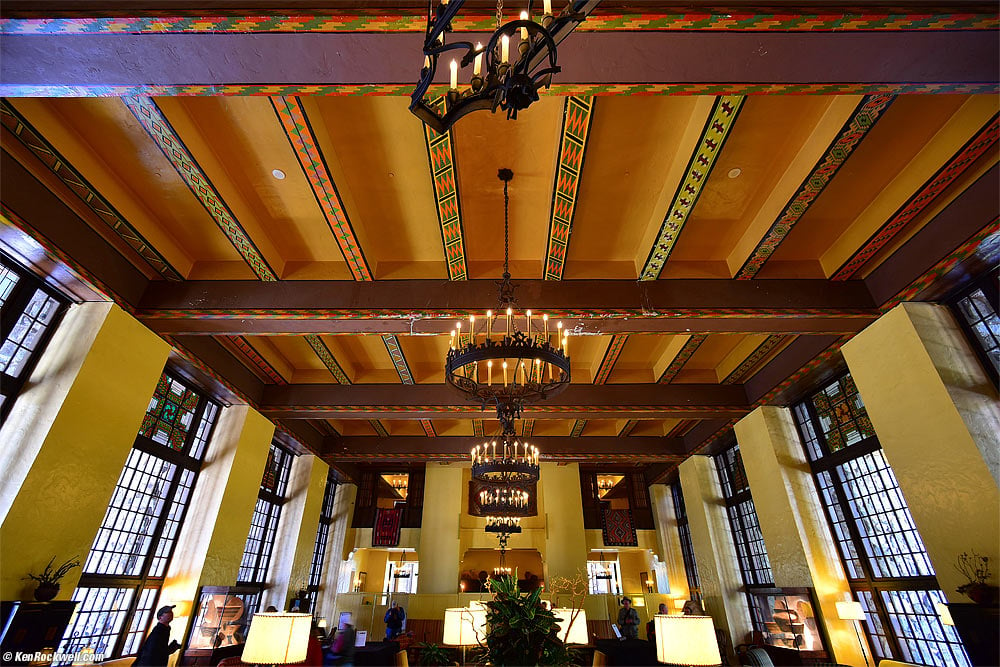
(296, 538)
(75, 425)
(565, 553)
(439, 531)
(337, 549)
(938, 420)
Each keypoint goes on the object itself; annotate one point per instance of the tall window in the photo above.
(751, 553)
(322, 536)
(124, 570)
(883, 555)
(687, 550)
(29, 312)
(977, 314)
(264, 526)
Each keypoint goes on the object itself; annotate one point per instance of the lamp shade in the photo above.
(277, 638)
(571, 630)
(464, 626)
(850, 611)
(686, 640)
(944, 613)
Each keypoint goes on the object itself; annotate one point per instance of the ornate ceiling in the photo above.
(711, 200)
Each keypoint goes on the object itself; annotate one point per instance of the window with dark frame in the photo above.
(884, 557)
(687, 550)
(322, 536)
(30, 311)
(264, 526)
(976, 309)
(124, 570)
(751, 553)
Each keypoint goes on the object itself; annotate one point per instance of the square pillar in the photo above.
(67, 438)
(938, 419)
(439, 535)
(798, 540)
(565, 541)
(670, 540)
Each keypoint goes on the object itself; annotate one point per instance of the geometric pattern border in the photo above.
(251, 355)
(696, 174)
(611, 355)
(578, 427)
(477, 428)
(323, 352)
(766, 347)
(379, 429)
(735, 19)
(627, 428)
(969, 153)
(398, 358)
(300, 135)
(61, 168)
(690, 346)
(862, 120)
(574, 89)
(441, 158)
(577, 116)
(159, 129)
(428, 427)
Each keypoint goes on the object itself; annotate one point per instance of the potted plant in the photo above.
(433, 654)
(976, 569)
(48, 579)
(521, 631)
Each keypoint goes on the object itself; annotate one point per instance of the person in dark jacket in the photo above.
(628, 620)
(157, 648)
(394, 617)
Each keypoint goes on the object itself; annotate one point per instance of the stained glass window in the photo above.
(882, 552)
(29, 313)
(136, 539)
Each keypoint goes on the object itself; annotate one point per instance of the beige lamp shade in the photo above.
(571, 632)
(850, 611)
(686, 640)
(464, 626)
(277, 638)
(944, 613)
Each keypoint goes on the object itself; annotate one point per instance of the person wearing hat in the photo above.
(628, 620)
(157, 648)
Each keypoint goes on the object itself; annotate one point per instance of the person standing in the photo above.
(651, 625)
(628, 620)
(156, 650)
(394, 617)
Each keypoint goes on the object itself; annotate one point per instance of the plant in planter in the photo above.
(521, 631)
(48, 579)
(433, 654)
(976, 569)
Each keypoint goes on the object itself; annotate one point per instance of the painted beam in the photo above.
(316, 63)
(441, 159)
(611, 354)
(577, 116)
(422, 447)
(687, 350)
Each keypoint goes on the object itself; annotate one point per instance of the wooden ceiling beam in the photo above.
(617, 401)
(430, 307)
(552, 447)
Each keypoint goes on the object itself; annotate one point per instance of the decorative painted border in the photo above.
(159, 129)
(477, 428)
(627, 428)
(91, 198)
(323, 352)
(682, 427)
(578, 427)
(260, 363)
(744, 369)
(441, 158)
(197, 363)
(944, 266)
(300, 135)
(557, 90)
(713, 138)
(428, 427)
(379, 430)
(611, 354)
(9, 217)
(969, 153)
(736, 19)
(389, 314)
(687, 350)
(398, 358)
(527, 427)
(869, 110)
(722, 432)
(577, 116)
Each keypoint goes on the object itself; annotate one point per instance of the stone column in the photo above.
(938, 419)
(439, 529)
(565, 542)
(67, 438)
(670, 540)
(799, 545)
(337, 552)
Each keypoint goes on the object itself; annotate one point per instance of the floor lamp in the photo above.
(853, 611)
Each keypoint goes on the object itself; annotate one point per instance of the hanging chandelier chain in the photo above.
(499, 13)
(506, 231)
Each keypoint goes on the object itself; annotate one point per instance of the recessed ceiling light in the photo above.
(734, 172)
(278, 174)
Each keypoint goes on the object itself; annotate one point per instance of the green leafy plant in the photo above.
(433, 654)
(52, 576)
(521, 631)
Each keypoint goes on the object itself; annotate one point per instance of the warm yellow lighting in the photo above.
(686, 640)
(547, 7)
(850, 611)
(277, 638)
(571, 631)
(477, 69)
(464, 626)
(679, 604)
(524, 31)
(505, 51)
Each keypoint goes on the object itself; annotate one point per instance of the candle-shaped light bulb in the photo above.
(458, 330)
(427, 62)
(510, 314)
(489, 373)
(454, 74)
(472, 454)
(489, 324)
(524, 31)
(477, 64)
(538, 371)
(545, 325)
(472, 328)
(505, 49)
(505, 373)
(494, 449)
(527, 323)
(547, 7)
